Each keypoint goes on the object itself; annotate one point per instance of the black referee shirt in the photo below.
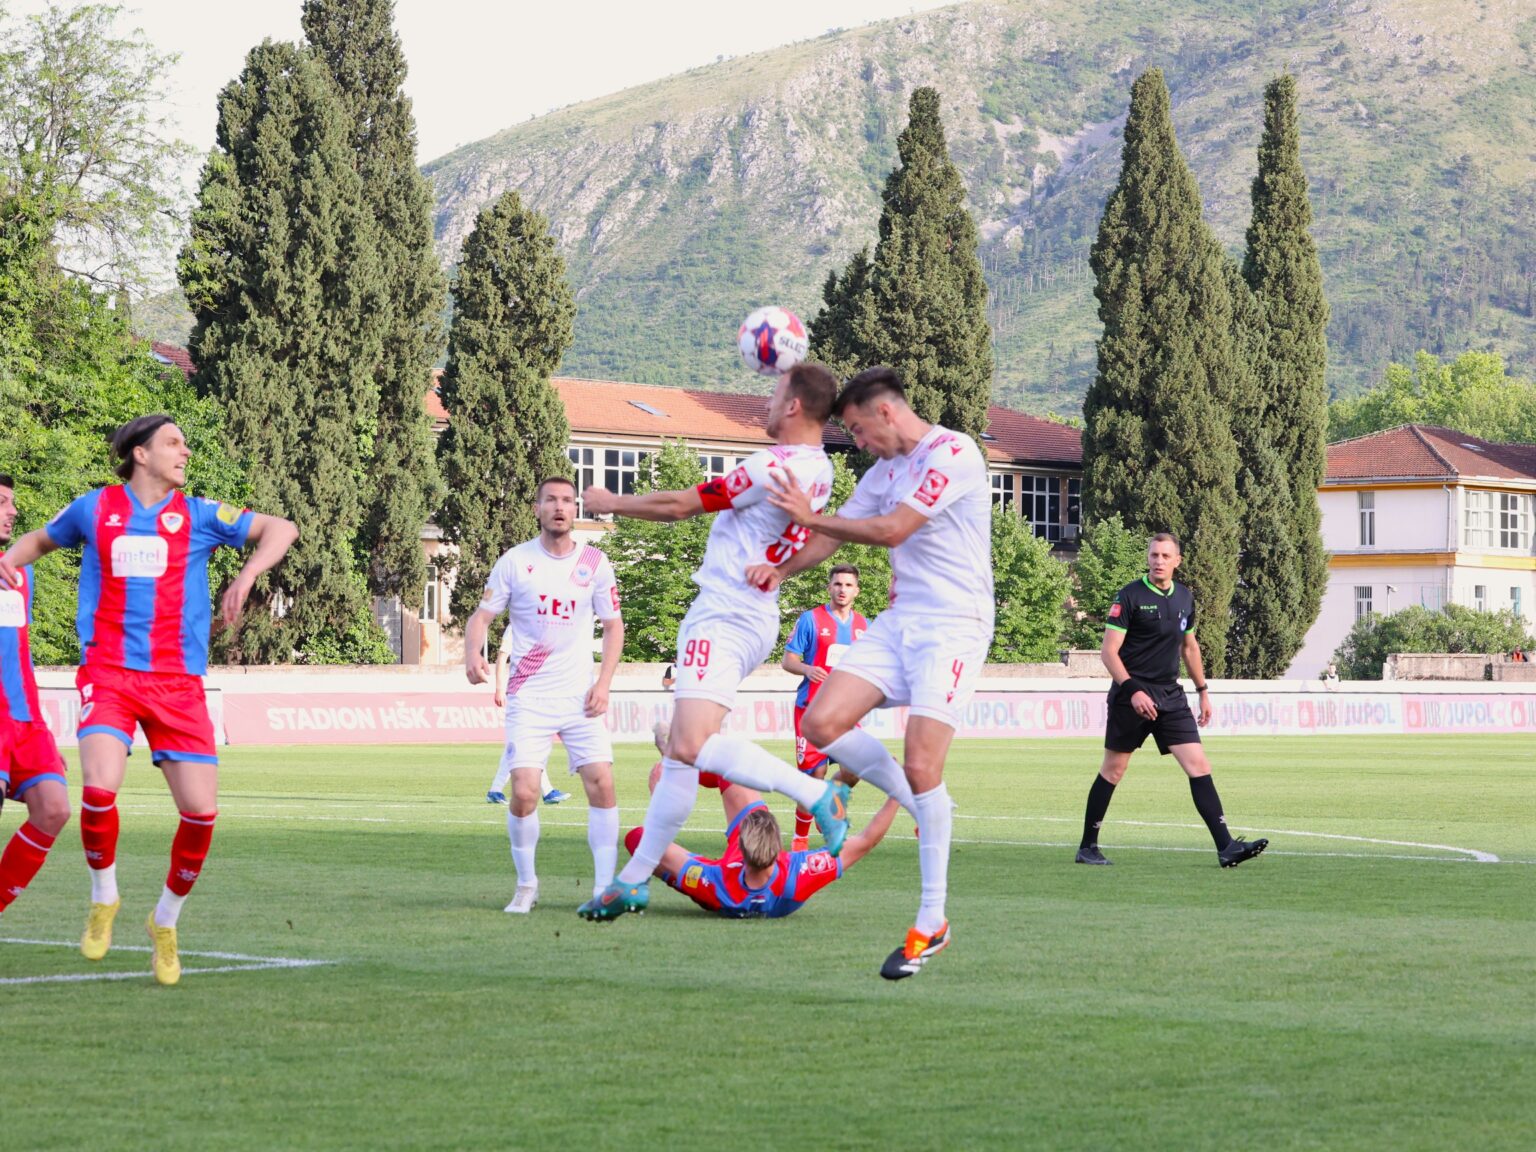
(1154, 623)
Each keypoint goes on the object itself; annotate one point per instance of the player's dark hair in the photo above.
(135, 434)
(1167, 538)
(868, 385)
(7, 480)
(843, 570)
(815, 386)
(759, 838)
(538, 493)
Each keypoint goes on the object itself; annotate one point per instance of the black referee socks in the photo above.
(1099, 797)
(1208, 804)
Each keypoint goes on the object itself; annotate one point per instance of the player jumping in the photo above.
(31, 769)
(143, 621)
(927, 499)
(551, 587)
(820, 637)
(730, 628)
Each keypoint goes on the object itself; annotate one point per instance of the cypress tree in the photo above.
(357, 41)
(1282, 268)
(1157, 442)
(281, 276)
(513, 320)
(924, 311)
(1265, 630)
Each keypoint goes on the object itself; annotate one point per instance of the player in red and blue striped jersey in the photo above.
(820, 637)
(143, 622)
(31, 769)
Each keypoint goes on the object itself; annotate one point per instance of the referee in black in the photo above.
(1151, 625)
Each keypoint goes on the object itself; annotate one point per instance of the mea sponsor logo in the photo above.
(144, 556)
(13, 609)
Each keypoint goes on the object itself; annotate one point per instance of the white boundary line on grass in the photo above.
(242, 963)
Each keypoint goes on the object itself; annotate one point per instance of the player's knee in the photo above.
(50, 815)
(686, 745)
(821, 728)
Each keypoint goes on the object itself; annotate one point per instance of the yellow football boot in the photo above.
(166, 962)
(98, 930)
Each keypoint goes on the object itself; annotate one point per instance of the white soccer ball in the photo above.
(772, 341)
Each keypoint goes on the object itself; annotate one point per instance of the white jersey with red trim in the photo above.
(550, 602)
(945, 567)
(749, 530)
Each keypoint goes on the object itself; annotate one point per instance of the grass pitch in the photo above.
(1368, 983)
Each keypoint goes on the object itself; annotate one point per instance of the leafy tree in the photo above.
(655, 562)
(513, 316)
(1473, 394)
(1419, 629)
(924, 311)
(357, 41)
(81, 143)
(1157, 444)
(1111, 556)
(281, 274)
(1268, 621)
(1031, 586)
(1281, 267)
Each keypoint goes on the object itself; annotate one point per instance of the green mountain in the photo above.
(683, 204)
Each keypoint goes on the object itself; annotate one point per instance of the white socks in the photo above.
(934, 820)
(603, 839)
(664, 818)
(740, 761)
(523, 831)
(868, 759)
(104, 884)
(503, 775)
(168, 910)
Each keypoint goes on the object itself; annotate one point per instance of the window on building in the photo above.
(1516, 601)
(1074, 507)
(1514, 521)
(1477, 528)
(583, 463)
(715, 466)
(1002, 490)
(1362, 601)
(1040, 502)
(431, 595)
(1480, 597)
(1367, 519)
(622, 467)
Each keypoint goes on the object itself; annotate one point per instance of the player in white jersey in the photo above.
(927, 498)
(731, 628)
(551, 587)
(497, 793)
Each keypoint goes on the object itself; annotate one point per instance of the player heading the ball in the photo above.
(143, 621)
(731, 628)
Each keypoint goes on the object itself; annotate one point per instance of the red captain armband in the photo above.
(719, 494)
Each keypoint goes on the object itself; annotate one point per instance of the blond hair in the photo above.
(759, 838)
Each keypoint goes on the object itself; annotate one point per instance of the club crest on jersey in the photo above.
(819, 862)
(738, 481)
(932, 487)
(858, 633)
(172, 521)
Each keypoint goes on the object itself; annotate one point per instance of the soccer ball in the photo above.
(772, 341)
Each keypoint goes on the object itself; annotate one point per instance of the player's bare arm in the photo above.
(613, 648)
(476, 666)
(857, 846)
(27, 550)
(794, 665)
(499, 691)
(1196, 666)
(662, 507)
(273, 536)
(1109, 652)
(886, 531)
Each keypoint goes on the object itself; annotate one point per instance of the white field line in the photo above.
(243, 964)
(1475, 855)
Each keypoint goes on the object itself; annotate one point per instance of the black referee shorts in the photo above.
(1175, 723)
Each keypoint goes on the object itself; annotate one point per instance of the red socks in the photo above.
(189, 849)
(98, 827)
(23, 856)
(711, 780)
(803, 824)
(632, 839)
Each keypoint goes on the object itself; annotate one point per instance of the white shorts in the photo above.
(929, 663)
(716, 649)
(534, 722)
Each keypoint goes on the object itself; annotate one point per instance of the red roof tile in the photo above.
(1426, 452)
(173, 354)
(614, 408)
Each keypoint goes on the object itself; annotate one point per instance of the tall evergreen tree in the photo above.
(1157, 442)
(513, 320)
(1266, 631)
(924, 311)
(1282, 268)
(357, 41)
(281, 276)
